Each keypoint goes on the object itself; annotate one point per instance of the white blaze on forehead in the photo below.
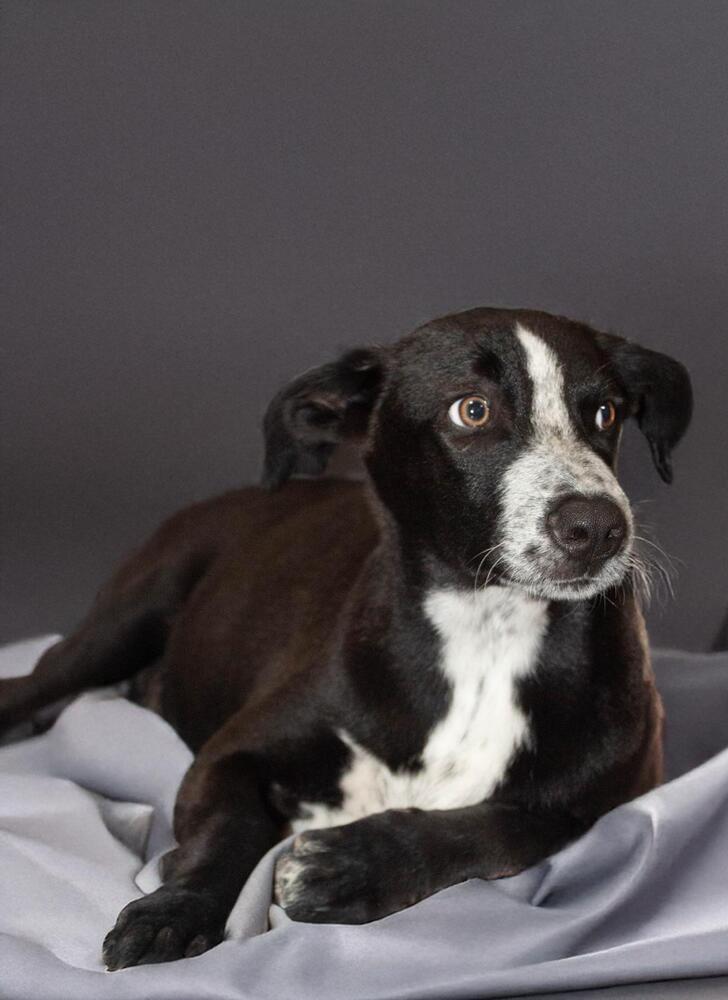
(549, 412)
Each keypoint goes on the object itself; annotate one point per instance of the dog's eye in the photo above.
(470, 411)
(606, 416)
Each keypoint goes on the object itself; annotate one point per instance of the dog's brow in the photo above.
(604, 378)
(603, 385)
(488, 364)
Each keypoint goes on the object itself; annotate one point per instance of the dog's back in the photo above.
(224, 603)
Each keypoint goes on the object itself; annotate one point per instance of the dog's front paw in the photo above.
(349, 874)
(168, 924)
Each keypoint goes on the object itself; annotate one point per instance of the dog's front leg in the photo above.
(375, 866)
(223, 829)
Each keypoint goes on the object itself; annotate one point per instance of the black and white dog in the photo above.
(438, 674)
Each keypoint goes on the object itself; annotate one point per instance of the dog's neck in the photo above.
(414, 564)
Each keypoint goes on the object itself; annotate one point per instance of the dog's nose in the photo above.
(587, 528)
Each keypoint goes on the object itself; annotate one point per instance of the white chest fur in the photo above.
(489, 639)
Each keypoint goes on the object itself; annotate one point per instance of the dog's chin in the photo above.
(550, 587)
(573, 590)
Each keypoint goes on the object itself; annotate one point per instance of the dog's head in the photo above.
(491, 438)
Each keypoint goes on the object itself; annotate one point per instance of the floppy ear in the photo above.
(309, 417)
(660, 396)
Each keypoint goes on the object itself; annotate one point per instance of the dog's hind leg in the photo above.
(125, 631)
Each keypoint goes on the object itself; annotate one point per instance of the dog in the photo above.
(435, 674)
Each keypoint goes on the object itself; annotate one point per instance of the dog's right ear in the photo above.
(313, 414)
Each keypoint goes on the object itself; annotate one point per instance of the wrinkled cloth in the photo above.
(86, 811)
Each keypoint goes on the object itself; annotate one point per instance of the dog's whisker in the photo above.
(660, 549)
(606, 599)
(659, 565)
(492, 570)
(486, 552)
(642, 579)
(484, 555)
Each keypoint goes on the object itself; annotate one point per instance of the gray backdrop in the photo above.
(201, 199)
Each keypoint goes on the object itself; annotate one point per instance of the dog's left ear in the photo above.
(660, 396)
(309, 417)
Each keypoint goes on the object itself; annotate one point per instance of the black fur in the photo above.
(659, 393)
(264, 622)
(309, 417)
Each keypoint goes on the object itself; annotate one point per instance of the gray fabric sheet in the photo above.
(85, 811)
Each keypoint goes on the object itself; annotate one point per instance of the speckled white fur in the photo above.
(489, 638)
(556, 462)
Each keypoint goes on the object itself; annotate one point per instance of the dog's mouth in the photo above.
(547, 580)
(552, 586)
